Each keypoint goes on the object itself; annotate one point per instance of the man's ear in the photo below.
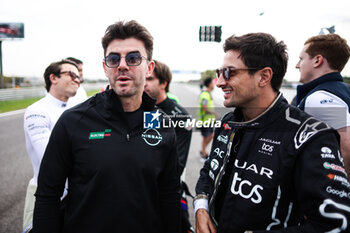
(265, 76)
(150, 68)
(104, 68)
(318, 60)
(163, 85)
(53, 78)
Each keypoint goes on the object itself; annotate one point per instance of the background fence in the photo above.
(31, 92)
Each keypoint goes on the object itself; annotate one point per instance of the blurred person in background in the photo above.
(61, 82)
(157, 86)
(324, 94)
(81, 95)
(206, 113)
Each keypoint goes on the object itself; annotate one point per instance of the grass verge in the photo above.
(11, 105)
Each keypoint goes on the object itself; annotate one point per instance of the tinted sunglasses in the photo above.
(72, 75)
(131, 59)
(228, 72)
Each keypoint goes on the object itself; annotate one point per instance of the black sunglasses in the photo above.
(131, 59)
(228, 72)
(72, 75)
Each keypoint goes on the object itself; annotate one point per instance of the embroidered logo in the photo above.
(100, 135)
(334, 167)
(326, 153)
(309, 128)
(226, 126)
(214, 164)
(222, 138)
(152, 137)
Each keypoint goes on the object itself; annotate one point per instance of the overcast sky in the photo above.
(58, 29)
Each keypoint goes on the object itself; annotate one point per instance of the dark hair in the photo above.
(124, 30)
(163, 73)
(75, 60)
(55, 69)
(331, 46)
(259, 50)
(207, 81)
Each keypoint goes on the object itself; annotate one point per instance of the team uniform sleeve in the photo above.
(321, 183)
(203, 185)
(54, 170)
(169, 187)
(37, 130)
(322, 188)
(328, 108)
(201, 200)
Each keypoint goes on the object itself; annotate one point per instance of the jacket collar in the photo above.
(303, 90)
(165, 103)
(55, 101)
(113, 106)
(269, 115)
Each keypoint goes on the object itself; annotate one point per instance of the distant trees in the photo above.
(8, 82)
(208, 73)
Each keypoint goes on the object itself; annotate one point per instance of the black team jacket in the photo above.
(121, 176)
(183, 134)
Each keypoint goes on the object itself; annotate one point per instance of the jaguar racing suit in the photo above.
(280, 172)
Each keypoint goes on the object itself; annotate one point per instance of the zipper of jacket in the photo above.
(131, 133)
(219, 177)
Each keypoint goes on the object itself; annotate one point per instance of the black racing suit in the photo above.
(280, 172)
(183, 134)
(121, 177)
(179, 115)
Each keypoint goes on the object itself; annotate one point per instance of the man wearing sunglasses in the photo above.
(81, 95)
(272, 167)
(62, 81)
(122, 177)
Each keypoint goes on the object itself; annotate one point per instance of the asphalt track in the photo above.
(15, 172)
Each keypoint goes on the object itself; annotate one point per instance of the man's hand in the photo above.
(203, 222)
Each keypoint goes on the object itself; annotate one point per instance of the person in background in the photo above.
(81, 95)
(123, 173)
(61, 82)
(272, 167)
(324, 94)
(206, 113)
(157, 86)
(173, 97)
